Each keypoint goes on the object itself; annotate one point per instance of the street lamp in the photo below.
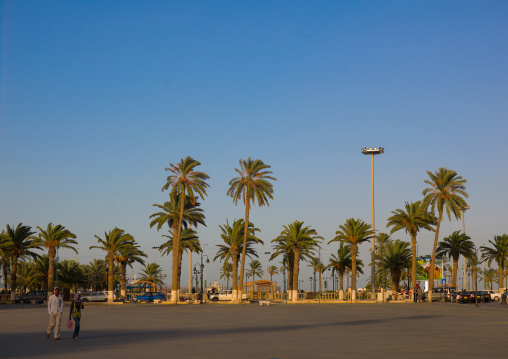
(202, 268)
(464, 209)
(372, 151)
(310, 279)
(155, 253)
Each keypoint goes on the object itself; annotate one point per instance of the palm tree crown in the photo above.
(53, 238)
(446, 193)
(353, 233)
(498, 252)
(453, 246)
(253, 185)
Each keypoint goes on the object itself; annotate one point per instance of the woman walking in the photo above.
(75, 314)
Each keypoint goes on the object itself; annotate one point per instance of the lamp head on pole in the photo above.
(373, 150)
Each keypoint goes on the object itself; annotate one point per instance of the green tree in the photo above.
(185, 181)
(189, 241)
(340, 263)
(396, 258)
(256, 270)
(455, 245)
(253, 185)
(124, 257)
(498, 252)
(96, 273)
(302, 241)
(71, 277)
(226, 272)
(151, 274)
(112, 243)
(446, 193)
(52, 238)
(354, 232)
(5, 259)
(272, 270)
(315, 263)
(411, 219)
(18, 243)
(41, 268)
(233, 237)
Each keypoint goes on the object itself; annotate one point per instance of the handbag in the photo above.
(69, 324)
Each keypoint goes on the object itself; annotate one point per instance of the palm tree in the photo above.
(379, 248)
(455, 245)
(253, 185)
(498, 253)
(226, 272)
(396, 258)
(256, 270)
(340, 264)
(302, 242)
(5, 259)
(233, 237)
(95, 271)
(151, 273)
(315, 263)
(53, 238)
(354, 232)
(112, 243)
(124, 257)
(18, 244)
(189, 241)
(446, 192)
(412, 219)
(185, 181)
(71, 276)
(41, 268)
(170, 214)
(272, 270)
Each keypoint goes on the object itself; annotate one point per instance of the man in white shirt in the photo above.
(55, 309)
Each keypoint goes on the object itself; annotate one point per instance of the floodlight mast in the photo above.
(372, 151)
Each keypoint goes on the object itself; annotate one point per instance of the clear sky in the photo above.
(97, 98)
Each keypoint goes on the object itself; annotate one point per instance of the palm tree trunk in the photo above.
(353, 273)
(111, 277)
(395, 284)
(13, 276)
(501, 273)
(5, 269)
(341, 285)
(294, 295)
(180, 260)
(227, 282)
(320, 289)
(433, 258)
(234, 255)
(123, 268)
(413, 264)
(454, 273)
(190, 272)
(244, 248)
(51, 271)
(175, 279)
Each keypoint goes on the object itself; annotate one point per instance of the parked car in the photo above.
(40, 296)
(225, 295)
(149, 297)
(483, 296)
(465, 297)
(441, 293)
(494, 295)
(101, 296)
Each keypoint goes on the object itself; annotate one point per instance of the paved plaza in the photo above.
(444, 330)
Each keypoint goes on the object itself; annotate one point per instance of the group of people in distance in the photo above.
(55, 310)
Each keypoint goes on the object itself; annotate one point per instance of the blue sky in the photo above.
(96, 99)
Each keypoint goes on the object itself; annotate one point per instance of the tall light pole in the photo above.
(464, 209)
(372, 151)
(267, 253)
(155, 253)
